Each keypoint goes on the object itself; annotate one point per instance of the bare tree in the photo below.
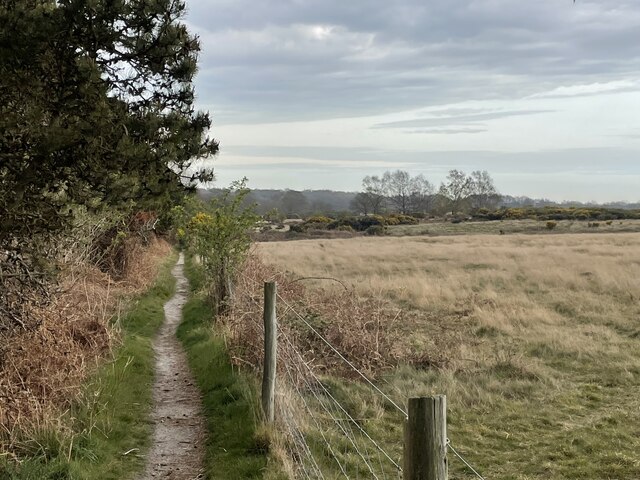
(361, 203)
(374, 189)
(422, 194)
(398, 189)
(484, 193)
(457, 189)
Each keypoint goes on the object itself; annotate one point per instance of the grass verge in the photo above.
(237, 446)
(106, 431)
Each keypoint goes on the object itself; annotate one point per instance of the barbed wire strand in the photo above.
(336, 420)
(308, 408)
(324, 340)
(300, 443)
(344, 411)
(297, 440)
(336, 351)
(352, 437)
(463, 460)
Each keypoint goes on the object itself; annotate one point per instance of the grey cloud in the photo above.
(457, 119)
(446, 131)
(585, 174)
(591, 161)
(261, 60)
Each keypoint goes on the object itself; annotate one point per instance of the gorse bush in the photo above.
(353, 223)
(558, 213)
(319, 219)
(400, 219)
(219, 235)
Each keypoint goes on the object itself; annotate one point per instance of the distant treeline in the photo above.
(292, 203)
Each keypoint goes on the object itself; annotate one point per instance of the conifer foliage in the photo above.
(96, 109)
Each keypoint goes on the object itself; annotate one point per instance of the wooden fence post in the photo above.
(270, 351)
(425, 441)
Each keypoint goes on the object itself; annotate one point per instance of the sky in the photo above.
(316, 94)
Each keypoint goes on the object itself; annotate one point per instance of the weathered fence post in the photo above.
(425, 441)
(270, 351)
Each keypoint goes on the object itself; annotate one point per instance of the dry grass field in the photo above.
(495, 227)
(540, 336)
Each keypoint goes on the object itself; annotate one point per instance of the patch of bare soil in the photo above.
(177, 452)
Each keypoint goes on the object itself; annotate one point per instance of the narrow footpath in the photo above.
(177, 452)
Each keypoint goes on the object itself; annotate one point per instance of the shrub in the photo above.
(319, 219)
(359, 224)
(315, 226)
(220, 237)
(551, 224)
(401, 219)
(375, 230)
(345, 228)
(609, 222)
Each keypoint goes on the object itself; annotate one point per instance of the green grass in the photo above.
(235, 446)
(109, 424)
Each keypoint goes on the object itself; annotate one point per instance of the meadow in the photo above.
(535, 339)
(497, 227)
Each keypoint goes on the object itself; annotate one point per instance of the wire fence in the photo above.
(328, 434)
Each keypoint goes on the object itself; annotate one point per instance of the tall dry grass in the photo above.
(539, 334)
(564, 290)
(42, 368)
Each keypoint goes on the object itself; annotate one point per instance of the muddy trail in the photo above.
(177, 452)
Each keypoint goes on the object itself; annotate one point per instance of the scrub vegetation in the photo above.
(93, 423)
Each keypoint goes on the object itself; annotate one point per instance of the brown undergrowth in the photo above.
(42, 367)
(366, 330)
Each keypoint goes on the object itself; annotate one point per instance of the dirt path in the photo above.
(178, 440)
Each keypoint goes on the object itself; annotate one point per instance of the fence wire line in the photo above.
(463, 460)
(344, 411)
(351, 437)
(300, 443)
(324, 340)
(308, 408)
(336, 351)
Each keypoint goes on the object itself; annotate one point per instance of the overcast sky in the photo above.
(544, 94)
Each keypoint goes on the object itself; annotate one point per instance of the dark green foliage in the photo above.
(96, 108)
(375, 230)
(359, 224)
(558, 213)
